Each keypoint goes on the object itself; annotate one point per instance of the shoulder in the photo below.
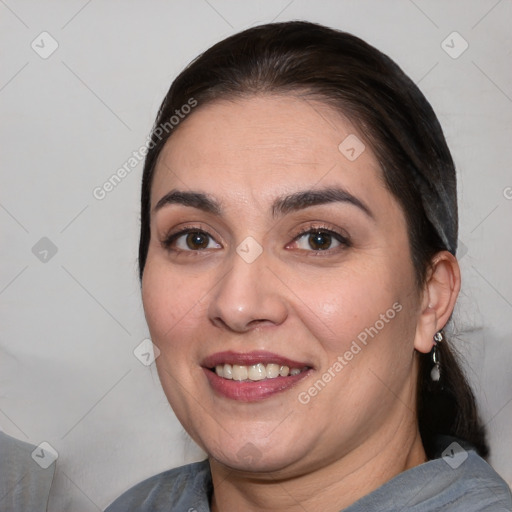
(183, 488)
(463, 482)
(26, 475)
(458, 481)
(467, 480)
(480, 488)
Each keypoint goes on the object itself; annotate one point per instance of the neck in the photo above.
(329, 488)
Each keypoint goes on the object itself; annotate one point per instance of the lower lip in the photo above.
(246, 391)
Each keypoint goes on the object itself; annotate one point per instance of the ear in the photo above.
(438, 300)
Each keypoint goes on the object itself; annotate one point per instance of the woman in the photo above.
(297, 260)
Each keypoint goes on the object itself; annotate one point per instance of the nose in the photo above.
(249, 295)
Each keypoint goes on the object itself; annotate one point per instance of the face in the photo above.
(279, 286)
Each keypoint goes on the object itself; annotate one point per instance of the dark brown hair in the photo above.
(394, 119)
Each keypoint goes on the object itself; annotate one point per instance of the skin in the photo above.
(361, 429)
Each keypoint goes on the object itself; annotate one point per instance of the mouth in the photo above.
(255, 372)
(253, 376)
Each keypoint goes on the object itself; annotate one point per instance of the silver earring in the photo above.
(435, 373)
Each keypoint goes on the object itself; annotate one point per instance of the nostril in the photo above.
(238, 324)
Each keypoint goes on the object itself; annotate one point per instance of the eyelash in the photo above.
(315, 228)
(171, 238)
(312, 229)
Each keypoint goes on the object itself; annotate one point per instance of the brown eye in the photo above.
(320, 241)
(197, 240)
(191, 240)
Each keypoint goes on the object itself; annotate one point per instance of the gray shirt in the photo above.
(24, 485)
(458, 482)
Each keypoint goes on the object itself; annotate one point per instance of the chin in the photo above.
(259, 455)
(249, 458)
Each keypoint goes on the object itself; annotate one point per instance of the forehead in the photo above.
(263, 145)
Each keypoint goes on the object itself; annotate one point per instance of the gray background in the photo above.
(71, 320)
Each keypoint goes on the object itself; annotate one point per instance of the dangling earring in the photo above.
(435, 373)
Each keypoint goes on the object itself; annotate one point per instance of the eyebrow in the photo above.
(194, 199)
(281, 206)
(307, 198)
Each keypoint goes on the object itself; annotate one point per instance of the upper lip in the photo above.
(250, 358)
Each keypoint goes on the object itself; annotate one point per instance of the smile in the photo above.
(255, 372)
(252, 376)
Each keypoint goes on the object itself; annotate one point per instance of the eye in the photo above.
(319, 240)
(191, 240)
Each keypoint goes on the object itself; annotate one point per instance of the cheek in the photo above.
(173, 309)
(171, 301)
(363, 321)
(363, 324)
(341, 305)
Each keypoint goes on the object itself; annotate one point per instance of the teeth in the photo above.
(272, 370)
(240, 372)
(255, 372)
(227, 372)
